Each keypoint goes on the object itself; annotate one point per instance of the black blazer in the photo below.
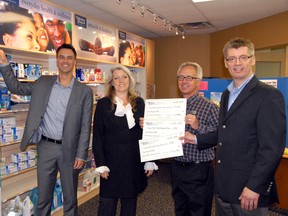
(250, 142)
(116, 146)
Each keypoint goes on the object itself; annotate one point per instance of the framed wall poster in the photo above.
(94, 40)
(132, 50)
(34, 25)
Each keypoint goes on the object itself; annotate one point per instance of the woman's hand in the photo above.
(149, 172)
(104, 175)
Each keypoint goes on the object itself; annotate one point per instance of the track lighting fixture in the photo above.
(142, 13)
(166, 23)
(133, 5)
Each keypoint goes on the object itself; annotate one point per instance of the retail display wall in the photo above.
(98, 47)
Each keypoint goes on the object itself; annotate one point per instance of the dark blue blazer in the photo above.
(250, 142)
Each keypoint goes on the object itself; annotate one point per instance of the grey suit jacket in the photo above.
(77, 122)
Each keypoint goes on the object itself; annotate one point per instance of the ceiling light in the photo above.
(142, 11)
(164, 23)
(133, 6)
(170, 27)
(183, 35)
(154, 18)
(176, 31)
(118, 1)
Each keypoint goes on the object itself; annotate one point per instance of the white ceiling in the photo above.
(221, 14)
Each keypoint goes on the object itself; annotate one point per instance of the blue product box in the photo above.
(32, 71)
(5, 102)
(3, 88)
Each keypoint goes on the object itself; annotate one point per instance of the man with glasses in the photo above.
(250, 140)
(192, 173)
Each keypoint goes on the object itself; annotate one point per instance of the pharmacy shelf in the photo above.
(13, 111)
(9, 143)
(82, 198)
(18, 183)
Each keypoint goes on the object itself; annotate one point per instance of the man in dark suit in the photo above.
(250, 139)
(59, 122)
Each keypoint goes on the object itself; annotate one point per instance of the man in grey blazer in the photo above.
(59, 122)
(250, 139)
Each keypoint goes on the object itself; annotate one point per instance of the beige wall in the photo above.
(206, 49)
(171, 52)
(150, 61)
(150, 69)
(267, 32)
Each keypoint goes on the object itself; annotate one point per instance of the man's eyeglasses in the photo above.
(242, 58)
(186, 78)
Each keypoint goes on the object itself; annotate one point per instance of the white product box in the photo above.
(21, 165)
(18, 133)
(8, 120)
(4, 138)
(31, 163)
(25, 164)
(5, 129)
(31, 154)
(23, 156)
(7, 169)
(18, 157)
(21, 71)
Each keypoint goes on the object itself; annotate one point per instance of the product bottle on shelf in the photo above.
(34, 199)
(11, 209)
(58, 190)
(27, 207)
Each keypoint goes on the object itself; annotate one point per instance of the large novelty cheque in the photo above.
(164, 123)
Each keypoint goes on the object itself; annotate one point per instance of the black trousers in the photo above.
(108, 206)
(230, 209)
(192, 188)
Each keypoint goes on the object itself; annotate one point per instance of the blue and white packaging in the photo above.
(23, 156)
(5, 101)
(8, 169)
(7, 137)
(8, 120)
(32, 71)
(18, 133)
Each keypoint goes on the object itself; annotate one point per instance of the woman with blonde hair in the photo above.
(115, 145)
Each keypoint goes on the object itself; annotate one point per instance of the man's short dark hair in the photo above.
(66, 46)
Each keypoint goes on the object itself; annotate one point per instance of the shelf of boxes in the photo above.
(18, 183)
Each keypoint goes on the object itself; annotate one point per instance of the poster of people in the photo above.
(34, 25)
(94, 40)
(131, 50)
